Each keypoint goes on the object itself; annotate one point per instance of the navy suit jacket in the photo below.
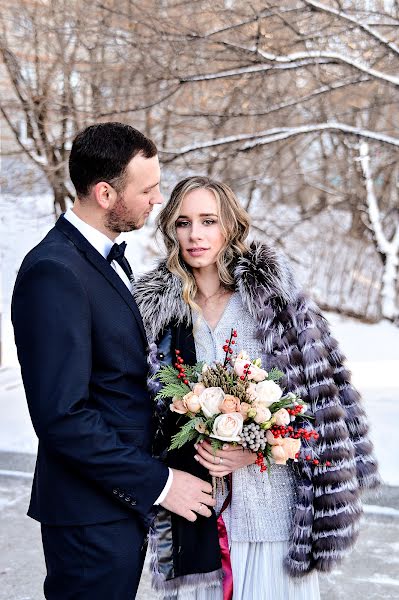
(82, 349)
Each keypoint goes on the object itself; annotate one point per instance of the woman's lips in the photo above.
(196, 251)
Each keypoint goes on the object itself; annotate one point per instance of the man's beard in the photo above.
(118, 220)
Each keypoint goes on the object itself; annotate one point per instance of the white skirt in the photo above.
(258, 574)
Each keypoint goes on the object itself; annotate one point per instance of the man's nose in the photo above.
(157, 198)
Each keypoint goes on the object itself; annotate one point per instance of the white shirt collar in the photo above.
(100, 241)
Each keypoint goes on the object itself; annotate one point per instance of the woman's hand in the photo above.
(225, 461)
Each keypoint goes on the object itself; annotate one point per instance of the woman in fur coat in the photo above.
(276, 530)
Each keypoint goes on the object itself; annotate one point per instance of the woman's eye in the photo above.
(209, 222)
(182, 223)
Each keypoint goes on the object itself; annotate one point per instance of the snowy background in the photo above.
(372, 349)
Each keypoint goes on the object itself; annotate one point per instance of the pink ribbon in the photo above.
(224, 550)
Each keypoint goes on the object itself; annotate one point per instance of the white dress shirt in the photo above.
(103, 245)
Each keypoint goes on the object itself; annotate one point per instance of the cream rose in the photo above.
(191, 402)
(228, 427)
(272, 440)
(210, 401)
(254, 373)
(291, 447)
(230, 404)
(244, 408)
(178, 406)
(198, 389)
(281, 417)
(267, 392)
(239, 366)
(263, 414)
(278, 454)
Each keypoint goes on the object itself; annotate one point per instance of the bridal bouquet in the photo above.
(237, 402)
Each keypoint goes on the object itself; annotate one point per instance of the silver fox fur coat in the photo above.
(297, 338)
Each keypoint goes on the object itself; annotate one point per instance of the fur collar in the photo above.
(262, 273)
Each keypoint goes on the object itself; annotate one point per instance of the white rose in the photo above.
(281, 417)
(267, 392)
(210, 401)
(263, 414)
(228, 427)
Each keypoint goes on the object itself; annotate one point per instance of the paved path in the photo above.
(372, 571)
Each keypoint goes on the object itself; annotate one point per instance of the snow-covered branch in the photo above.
(389, 249)
(252, 140)
(346, 17)
(295, 60)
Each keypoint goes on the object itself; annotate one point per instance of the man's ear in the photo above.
(104, 195)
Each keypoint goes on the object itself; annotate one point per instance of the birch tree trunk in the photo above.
(388, 249)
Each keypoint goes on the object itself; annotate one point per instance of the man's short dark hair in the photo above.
(102, 152)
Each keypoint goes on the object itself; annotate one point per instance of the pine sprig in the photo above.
(275, 375)
(170, 390)
(166, 375)
(216, 444)
(192, 372)
(186, 433)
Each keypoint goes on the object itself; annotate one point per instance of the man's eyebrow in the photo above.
(150, 187)
(201, 215)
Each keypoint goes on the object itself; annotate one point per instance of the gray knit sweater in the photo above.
(262, 504)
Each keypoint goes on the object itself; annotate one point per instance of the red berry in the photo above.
(308, 457)
(185, 381)
(328, 464)
(177, 351)
(242, 377)
(230, 350)
(232, 341)
(315, 462)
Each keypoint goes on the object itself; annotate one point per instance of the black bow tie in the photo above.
(117, 253)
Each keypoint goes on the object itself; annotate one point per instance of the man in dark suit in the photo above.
(82, 349)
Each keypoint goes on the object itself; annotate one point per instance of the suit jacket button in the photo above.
(133, 502)
(161, 356)
(120, 494)
(127, 498)
(115, 491)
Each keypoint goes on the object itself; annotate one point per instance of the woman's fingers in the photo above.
(210, 465)
(211, 457)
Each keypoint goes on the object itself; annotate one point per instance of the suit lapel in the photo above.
(102, 265)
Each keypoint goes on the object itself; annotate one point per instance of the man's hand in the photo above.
(225, 461)
(189, 495)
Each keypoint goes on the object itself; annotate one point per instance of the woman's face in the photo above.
(198, 229)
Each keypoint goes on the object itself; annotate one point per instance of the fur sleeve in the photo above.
(355, 416)
(313, 365)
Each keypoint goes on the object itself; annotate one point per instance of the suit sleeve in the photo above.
(52, 325)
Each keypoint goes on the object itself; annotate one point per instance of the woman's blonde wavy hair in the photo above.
(234, 222)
